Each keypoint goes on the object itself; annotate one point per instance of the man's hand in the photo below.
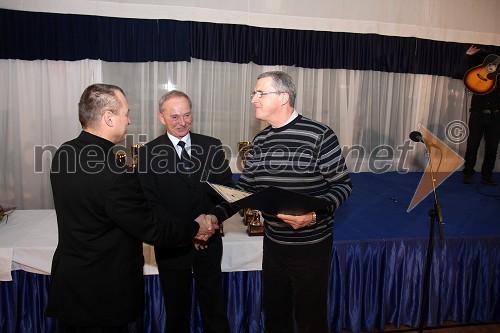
(206, 228)
(473, 49)
(297, 221)
(212, 220)
(200, 245)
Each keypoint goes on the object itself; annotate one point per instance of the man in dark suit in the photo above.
(97, 280)
(181, 190)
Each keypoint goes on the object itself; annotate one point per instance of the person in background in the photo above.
(180, 189)
(301, 155)
(484, 119)
(97, 282)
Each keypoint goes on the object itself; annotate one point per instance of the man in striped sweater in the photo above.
(301, 155)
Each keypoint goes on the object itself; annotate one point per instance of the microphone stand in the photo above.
(435, 214)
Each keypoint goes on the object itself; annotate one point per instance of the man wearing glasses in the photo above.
(301, 155)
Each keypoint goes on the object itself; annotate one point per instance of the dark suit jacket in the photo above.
(172, 192)
(103, 218)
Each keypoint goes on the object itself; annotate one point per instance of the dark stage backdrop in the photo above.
(34, 35)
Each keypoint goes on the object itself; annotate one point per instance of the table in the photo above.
(28, 240)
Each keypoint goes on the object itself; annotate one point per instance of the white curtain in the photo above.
(371, 112)
(38, 111)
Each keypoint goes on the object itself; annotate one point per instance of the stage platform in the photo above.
(376, 273)
(377, 208)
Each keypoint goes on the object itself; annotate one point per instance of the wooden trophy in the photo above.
(251, 217)
(134, 153)
(130, 162)
(121, 158)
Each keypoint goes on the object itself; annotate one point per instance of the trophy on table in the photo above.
(134, 152)
(123, 160)
(251, 217)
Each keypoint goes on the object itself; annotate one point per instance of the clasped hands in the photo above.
(208, 224)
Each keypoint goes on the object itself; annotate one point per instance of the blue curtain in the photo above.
(372, 283)
(29, 36)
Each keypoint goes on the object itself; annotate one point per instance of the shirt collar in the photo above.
(175, 140)
(294, 115)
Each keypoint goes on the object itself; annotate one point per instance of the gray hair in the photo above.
(96, 99)
(171, 94)
(282, 83)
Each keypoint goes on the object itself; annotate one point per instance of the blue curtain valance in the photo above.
(30, 36)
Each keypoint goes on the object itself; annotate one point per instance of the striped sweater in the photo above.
(303, 156)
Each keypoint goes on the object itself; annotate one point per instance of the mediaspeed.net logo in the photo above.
(442, 162)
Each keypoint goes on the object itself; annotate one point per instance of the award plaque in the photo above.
(251, 217)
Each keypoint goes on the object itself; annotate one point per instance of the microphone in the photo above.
(416, 136)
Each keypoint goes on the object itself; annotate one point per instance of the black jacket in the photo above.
(103, 218)
(171, 192)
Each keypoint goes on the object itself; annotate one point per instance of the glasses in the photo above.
(263, 93)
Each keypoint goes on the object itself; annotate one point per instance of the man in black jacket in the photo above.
(484, 120)
(181, 190)
(97, 280)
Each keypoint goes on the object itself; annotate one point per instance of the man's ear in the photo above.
(161, 118)
(284, 97)
(108, 118)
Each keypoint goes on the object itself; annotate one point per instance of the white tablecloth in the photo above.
(28, 240)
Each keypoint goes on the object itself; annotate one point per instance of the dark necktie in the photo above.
(185, 159)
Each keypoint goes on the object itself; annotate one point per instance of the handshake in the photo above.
(208, 224)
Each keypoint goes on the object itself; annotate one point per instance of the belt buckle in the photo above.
(486, 111)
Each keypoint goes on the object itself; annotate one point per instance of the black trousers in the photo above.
(487, 126)
(295, 293)
(177, 293)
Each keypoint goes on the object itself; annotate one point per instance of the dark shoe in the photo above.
(467, 179)
(488, 180)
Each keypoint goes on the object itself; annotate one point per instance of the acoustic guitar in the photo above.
(482, 79)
